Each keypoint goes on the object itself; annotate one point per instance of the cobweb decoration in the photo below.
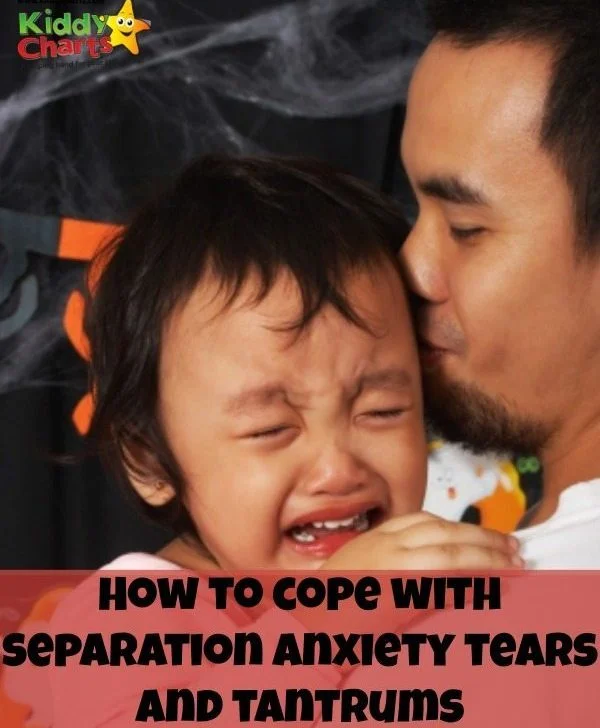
(68, 136)
(86, 141)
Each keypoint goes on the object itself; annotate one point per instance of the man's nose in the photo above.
(337, 472)
(421, 258)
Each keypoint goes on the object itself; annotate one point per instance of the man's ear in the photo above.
(147, 477)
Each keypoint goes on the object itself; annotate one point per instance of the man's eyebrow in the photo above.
(394, 379)
(254, 398)
(452, 189)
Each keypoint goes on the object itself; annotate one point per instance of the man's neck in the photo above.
(569, 459)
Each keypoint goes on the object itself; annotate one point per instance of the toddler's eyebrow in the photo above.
(254, 398)
(392, 379)
(262, 396)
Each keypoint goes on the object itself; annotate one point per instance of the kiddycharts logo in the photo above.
(45, 35)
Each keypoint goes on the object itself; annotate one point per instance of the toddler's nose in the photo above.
(336, 473)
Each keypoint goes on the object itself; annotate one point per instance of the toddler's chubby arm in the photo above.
(421, 541)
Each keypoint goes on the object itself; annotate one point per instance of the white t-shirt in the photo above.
(570, 538)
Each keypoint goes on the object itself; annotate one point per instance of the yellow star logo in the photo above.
(125, 27)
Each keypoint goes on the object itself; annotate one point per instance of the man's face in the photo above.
(508, 314)
(279, 436)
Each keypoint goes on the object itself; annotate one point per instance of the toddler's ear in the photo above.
(155, 493)
(147, 478)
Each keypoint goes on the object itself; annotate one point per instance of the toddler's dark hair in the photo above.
(234, 216)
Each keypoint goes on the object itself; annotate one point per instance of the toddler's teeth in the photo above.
(342, 523)
(304, 537)
(362, 523)
(302, 534)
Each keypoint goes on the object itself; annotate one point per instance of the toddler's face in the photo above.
(292, 446)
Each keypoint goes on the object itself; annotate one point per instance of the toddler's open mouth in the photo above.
(323, 536)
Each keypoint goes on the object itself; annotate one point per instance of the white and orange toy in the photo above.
(458, 479)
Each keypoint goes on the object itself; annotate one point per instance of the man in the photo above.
(502, 147)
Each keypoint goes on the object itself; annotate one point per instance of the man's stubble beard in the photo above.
(462, 413)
